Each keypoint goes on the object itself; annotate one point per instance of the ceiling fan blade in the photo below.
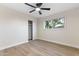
(32, 11)
(39, 4)
(45, 8)
(30, 5)
(40, 12)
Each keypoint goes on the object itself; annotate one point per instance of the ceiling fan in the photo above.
(37, 8)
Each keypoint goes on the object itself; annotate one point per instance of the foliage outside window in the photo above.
(56, 23)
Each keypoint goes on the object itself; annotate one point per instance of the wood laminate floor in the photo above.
(40, 48)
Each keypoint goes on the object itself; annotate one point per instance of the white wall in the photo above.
(69, 35)
(14, 27)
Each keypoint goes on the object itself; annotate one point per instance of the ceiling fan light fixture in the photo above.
(37, 9)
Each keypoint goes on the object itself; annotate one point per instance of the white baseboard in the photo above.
(13, 45)
(65, 44)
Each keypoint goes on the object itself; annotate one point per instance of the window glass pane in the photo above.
(49, 24)
(59, 23)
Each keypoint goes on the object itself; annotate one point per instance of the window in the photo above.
(56, 23)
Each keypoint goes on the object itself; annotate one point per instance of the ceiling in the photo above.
(55, 8)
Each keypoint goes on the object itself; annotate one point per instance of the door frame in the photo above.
(30, 21)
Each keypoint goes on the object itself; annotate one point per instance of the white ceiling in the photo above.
(55, 8)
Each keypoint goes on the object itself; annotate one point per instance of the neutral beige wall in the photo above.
(69, 35)
(14, 27)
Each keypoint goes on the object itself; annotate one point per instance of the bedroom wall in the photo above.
(69, 35)
(14, 27)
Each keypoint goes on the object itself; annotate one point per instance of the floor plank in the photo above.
(40, 48)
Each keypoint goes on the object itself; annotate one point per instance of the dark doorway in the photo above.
(30, 30)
